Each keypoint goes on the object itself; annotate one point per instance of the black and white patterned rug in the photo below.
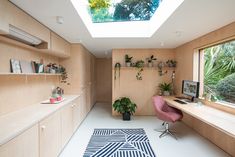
(119, 143)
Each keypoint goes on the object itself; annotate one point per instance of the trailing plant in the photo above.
(139, 65)
(128, 59)
(151, 59)
(171, 63)
(124, 105)
(64, 75)
(117, 68)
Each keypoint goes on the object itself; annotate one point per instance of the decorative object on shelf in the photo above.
(124, 106)
(63, 73)
(117, 68)
(166, 88)
(150, 60)
(15, 66)
(171, 63)
(128, 60)
(52, 68)
(139, 65)
(26, 67)
(161, 65)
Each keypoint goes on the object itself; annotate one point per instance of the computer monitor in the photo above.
(190, 88)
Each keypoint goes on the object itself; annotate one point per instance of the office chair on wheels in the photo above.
(167, 114)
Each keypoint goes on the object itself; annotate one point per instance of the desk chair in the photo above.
(167, 114)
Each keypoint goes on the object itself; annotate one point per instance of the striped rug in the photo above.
(119, 143)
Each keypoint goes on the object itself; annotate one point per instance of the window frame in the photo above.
(198, 74)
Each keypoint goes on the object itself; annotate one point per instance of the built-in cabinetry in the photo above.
(50, 135)
(47, 137)
(51, 44)
(24, 145)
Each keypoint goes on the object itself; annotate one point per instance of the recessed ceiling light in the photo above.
(59, 19)
(162, 43)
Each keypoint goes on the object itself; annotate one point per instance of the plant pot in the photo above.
(150, 64)
(128, 64)
(166, 93)
(126, 116)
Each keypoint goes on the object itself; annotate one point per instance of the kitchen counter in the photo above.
(15, 123)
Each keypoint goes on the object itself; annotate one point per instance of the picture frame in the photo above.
(15, 66)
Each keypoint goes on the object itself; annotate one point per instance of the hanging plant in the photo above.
(64, 75)
(117, 68)
(139, 65)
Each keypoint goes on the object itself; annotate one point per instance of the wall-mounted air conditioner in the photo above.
(23, 36)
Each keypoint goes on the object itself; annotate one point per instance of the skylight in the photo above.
(122, 10)
(135, 28)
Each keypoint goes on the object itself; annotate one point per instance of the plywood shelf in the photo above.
(29, 74)
(35, 49)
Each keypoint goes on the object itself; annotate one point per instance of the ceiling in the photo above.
(192, 19)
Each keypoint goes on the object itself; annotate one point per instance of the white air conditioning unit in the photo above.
(23, 36)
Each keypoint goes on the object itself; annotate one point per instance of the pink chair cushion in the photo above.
(166, 112)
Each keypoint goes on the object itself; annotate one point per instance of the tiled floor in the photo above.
(189, 143)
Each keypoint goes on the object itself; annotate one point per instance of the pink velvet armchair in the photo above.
(166, 113)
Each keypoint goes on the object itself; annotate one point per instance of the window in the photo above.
(217, 73)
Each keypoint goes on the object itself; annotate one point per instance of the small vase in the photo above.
(150, 64)
(128, 64)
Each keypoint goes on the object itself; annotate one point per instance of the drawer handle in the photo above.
(43, 127)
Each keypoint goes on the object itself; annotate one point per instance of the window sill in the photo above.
(220, 106)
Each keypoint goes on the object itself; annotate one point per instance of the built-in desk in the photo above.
(215, 118)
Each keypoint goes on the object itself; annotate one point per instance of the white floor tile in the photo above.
(189, 143)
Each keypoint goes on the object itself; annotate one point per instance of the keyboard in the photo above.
(179, 101)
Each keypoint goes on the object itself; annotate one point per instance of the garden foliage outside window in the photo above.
(219, 73)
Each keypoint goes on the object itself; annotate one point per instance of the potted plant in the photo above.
(139, 65)
(165, 88)
(64, 75)
(117, 68)
(150, 60)
(125, 107)
(128, 60)
(171, 63)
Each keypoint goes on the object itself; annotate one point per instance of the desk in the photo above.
(223, 121)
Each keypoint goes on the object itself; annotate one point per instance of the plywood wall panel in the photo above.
(104, 80)
(140, 91)
(17, 92)
(184, 56)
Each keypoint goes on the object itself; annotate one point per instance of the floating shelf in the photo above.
(29, 74)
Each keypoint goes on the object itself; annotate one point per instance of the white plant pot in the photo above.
(166, 93)
(128, 64)
(150, 64)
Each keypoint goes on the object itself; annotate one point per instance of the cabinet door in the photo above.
(77, 114)
(50, 136)
(24, 145)
(67, 123)
(59, 45)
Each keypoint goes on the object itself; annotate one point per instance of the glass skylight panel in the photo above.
(102, 11)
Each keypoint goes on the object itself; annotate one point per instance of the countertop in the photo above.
(15, 123)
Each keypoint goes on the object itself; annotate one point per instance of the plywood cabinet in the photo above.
(11, 14)
(59, 45)
(77, 113)
(50, 135)
(24, 145)
(67, 123)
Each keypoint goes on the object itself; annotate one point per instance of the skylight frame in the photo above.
(127, 29)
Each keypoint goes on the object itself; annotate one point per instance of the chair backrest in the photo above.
(160, 106)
